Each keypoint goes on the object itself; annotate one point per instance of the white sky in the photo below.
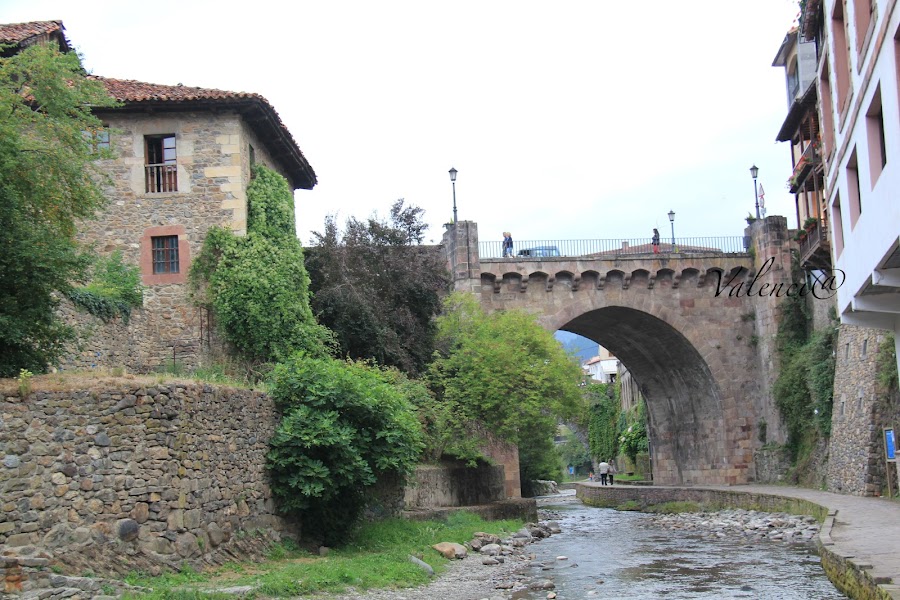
(566, 120)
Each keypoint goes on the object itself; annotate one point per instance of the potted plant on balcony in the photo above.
(810, 223)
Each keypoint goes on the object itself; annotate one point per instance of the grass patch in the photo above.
(633, 505)
(376, 556)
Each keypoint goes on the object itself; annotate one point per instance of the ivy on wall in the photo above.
(604, 420)
(257, 285)
(804, 389)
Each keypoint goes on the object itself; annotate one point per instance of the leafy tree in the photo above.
(573, 451)
(378, 288)
(345, 425)
(257, 284)
(48, 181)
(505, 371)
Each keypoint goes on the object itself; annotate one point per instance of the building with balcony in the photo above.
(798, 55)
(182, 164)
(841, 64)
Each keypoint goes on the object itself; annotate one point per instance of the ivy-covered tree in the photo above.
(378, 288)
(48, 182)
(505, 371)
(257, 284)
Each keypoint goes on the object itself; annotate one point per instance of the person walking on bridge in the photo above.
(655, 241)
(507, 245)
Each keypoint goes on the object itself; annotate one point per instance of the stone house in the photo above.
(182, 165)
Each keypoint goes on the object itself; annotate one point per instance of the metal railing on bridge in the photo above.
(532, 249)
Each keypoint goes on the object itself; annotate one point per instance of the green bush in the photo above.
(604, 419)
(344, 425)
(114, 289)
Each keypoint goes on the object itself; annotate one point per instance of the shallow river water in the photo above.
(613, 554)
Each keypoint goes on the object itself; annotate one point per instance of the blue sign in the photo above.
(890, 444)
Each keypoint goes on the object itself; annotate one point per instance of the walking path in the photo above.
(864, 530)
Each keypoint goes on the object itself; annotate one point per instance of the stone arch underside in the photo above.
(685, 406)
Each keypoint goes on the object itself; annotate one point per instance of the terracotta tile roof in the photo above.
(256, 110)
(21, 34)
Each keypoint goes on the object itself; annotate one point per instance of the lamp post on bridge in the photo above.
(453, 173)
(672, 223)
(754, 171)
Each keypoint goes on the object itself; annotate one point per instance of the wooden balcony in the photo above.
(161, 178)
(815, 249)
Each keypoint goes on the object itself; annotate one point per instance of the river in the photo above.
(612, 554)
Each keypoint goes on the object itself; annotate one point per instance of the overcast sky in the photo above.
(565, 120)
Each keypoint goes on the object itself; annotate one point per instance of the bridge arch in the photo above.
(684, 402)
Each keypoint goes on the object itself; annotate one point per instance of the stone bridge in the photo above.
(682, 323)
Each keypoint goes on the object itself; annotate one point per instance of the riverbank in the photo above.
(859, 540)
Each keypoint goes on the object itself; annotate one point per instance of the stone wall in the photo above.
(127, 473)
(453, 484)
(856, 453)
(213, 171)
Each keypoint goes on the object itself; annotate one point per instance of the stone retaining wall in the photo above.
(132, 473)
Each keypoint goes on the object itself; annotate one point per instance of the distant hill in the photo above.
(575, 344)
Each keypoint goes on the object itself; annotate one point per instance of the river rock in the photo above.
(491, 549)
(451, 549)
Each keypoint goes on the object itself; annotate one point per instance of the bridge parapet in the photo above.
(592, 273)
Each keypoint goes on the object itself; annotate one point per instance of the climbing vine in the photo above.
(257, 285)
(604, 420)
(633, 438)
(804, 389)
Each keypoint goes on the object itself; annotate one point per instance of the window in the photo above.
(853, 189)
(165, 254)
(252, 155)
(837, 226)
(97, 139)
(865, 348)
(841, 53)
(875, 134)
(827, 112)
(161, 172)
(862, 10)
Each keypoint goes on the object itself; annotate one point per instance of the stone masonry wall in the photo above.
(856, 451)
(212, 154)
(131, 473)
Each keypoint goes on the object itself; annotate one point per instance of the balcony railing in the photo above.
(807, 161)
(815, 250)
(549, 249)
(161, 178)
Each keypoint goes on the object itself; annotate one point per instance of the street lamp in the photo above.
(453, 173)
(754, 171)
(672, 222)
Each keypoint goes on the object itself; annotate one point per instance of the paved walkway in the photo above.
(865, 528)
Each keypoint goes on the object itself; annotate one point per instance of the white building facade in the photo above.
(859, 110)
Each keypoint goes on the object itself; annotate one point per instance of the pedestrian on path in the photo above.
(612, 471)
(603, 469)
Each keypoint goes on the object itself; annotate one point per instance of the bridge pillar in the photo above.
(771, 250)
(460, 242)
